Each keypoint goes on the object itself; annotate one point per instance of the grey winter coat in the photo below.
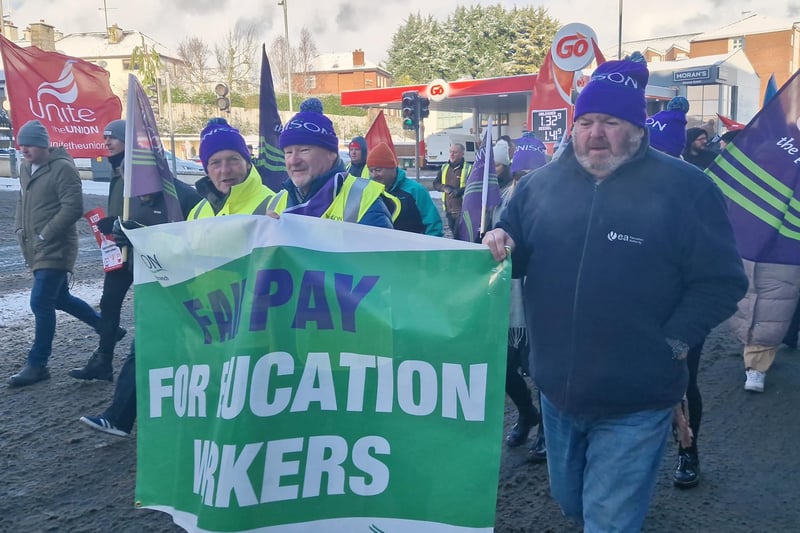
(49, 205)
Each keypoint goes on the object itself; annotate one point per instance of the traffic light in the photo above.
(424, 105)
(223, 102)
(410, 110)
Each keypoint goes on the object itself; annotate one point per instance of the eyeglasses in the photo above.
(232, 161)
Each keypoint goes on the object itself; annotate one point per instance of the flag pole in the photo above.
(486, 162)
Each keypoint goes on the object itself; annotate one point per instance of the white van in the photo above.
(437, 148)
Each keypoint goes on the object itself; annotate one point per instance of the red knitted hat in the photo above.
(381, 157)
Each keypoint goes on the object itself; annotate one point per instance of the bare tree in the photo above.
(299, 58)
(306, 51)
(278, 62)
(195, 54)
(236, 56)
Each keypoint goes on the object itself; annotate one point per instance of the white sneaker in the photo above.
(755, 380)
(101, 424)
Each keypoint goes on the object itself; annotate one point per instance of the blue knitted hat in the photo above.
(529, 155)
(311, 127)
(219, 135)
(616, 88)
(668, 127)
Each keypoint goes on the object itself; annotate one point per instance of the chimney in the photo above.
(43, 36)
(114, 34)
(10, 31)
(358, 57)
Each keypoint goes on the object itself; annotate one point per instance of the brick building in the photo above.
(771, 44)
(334, 73)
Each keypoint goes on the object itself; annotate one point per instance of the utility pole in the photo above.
(105, 10)
(619, 40)
(288, 51)
(171, 123)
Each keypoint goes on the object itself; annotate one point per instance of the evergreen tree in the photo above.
(474, 42)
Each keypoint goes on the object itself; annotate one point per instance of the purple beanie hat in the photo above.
(219, 135)
(311, 127)
(529, 155)
(616, 88)
(668, 127)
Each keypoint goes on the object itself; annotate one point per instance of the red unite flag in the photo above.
(71, 97)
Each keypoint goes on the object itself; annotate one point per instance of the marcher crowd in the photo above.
(624, 259)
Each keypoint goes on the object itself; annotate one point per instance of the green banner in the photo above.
(309, 375)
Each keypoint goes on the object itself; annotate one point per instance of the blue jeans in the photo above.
(50, 292)
(603, 470)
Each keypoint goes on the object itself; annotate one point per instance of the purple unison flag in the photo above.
(475, 209)
(771, 90)
(759, 172)
(146, 168)
(270, 162)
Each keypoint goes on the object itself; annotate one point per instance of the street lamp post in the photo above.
(171, 123)
(619, 39)
(288, 52)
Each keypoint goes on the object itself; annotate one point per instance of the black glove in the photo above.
(106, 225)
(119, 236)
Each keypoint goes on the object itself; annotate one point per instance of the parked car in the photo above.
(345, 155)
(100, 168)
(184, 166)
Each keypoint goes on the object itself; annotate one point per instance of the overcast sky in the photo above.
(344, 25)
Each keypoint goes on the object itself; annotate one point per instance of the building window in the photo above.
(737, 43)
(449, 119)
(498, 120)
(311, 82)
(126, 65)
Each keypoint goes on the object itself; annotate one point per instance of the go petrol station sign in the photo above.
(572, 47)
(572, 50)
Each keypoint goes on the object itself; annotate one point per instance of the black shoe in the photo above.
(519, 433)
(98, 367)
(28, 376)
(687, 474)
(538, 452)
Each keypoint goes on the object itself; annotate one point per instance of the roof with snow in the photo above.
(692, 62)
(659, 44)
(751, 24)
(340, 62)
(97, 44)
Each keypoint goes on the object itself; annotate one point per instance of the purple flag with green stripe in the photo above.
(146, 169)
(759, 174)
(481, 193)
(270, 162)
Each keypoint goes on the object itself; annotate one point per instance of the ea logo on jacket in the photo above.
(613, 236)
